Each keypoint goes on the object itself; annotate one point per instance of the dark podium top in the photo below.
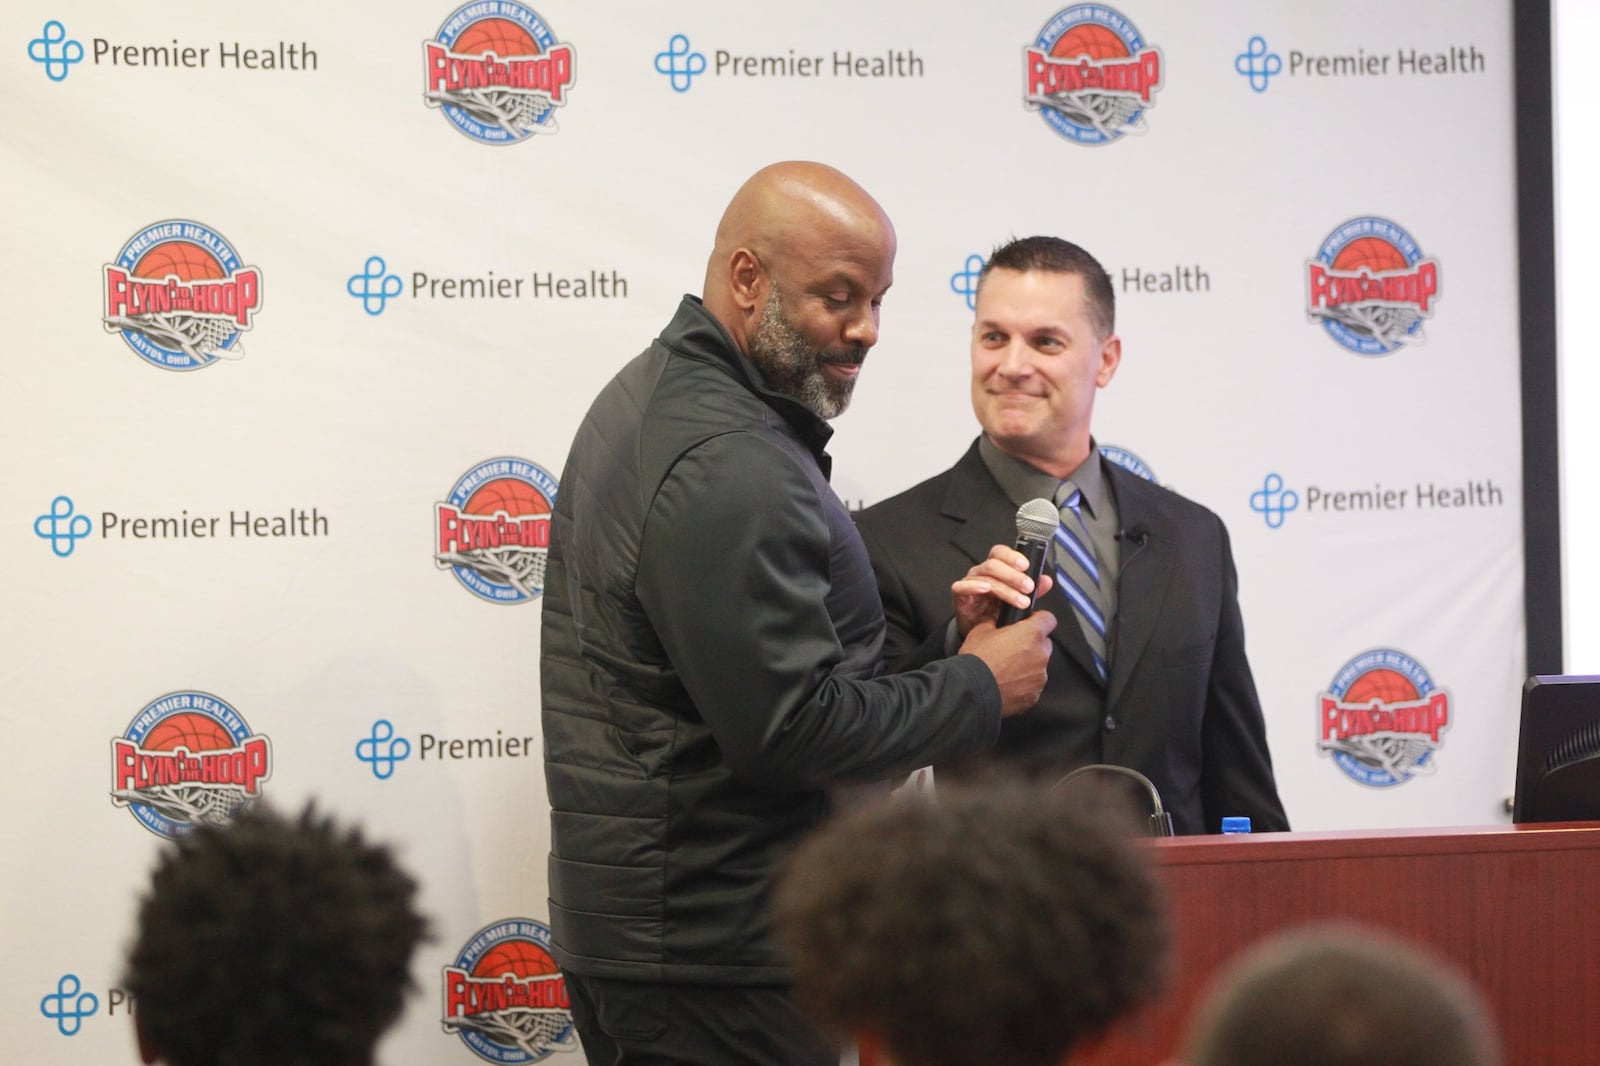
(1514, 906)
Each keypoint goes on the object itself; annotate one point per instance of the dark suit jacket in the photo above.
(1181, 705)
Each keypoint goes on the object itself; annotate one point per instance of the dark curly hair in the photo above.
(272, 942)
(1053, 255)
(1000, 923)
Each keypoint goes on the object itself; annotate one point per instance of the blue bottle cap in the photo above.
(1236, 824)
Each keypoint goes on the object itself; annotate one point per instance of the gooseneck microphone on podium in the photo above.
(1037, 521)
(1160, 820)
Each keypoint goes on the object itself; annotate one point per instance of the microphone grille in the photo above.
(1038, 518)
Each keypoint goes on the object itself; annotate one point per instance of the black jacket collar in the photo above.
(695, 333)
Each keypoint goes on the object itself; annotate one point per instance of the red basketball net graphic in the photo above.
(1384, 723)
(1092, 80)
(180, 298)
(502, 533)
(494, 71)
(1382, 295)
(189, 769)
(514, 997)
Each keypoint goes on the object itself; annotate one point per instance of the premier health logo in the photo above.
(69, 1005)
(679, 64)
(964, 282)
(1257, 64)
(375, 286)
(382, 749)
(62, 527)
(1273, 502)
(55, 51)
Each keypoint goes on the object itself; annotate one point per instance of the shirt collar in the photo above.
(1022, 481)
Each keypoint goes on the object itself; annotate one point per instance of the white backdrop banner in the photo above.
(309, 298)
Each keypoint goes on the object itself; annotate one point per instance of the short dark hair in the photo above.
(1339, 994)
(1054, 255)
(265, 941)
(997, 923)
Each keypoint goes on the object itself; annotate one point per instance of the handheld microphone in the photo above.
(1037, 521)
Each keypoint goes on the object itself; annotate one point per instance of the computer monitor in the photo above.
(1558, 750)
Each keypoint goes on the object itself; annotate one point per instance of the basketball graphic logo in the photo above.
(497, 72)
(494, 530)
(1090, 75)
(505, 997)
(187, 757)
(1383, 718)
(180, 297)
(1371, 287)
(1128, 461)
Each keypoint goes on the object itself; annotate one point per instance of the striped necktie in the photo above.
(1078, 573)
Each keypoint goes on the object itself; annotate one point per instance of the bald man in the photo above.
(711, 645)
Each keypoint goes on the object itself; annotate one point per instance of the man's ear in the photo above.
(1110, 359)
(747, 282)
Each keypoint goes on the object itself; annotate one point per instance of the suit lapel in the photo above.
(1145, 574)
(978, 508)
(984, 517)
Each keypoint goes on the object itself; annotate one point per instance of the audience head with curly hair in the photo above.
(1340, 994)
(270, 941)
(998, 924)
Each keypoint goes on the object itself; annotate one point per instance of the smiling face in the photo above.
(1037, 360)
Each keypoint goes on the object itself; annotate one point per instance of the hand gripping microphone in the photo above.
(1037, 521)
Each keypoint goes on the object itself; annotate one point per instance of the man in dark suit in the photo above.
(1150, 673)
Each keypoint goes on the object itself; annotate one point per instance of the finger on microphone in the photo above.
(1037, 521)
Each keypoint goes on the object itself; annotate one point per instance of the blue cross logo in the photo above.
(374, 300)
(679, 64)
(1272, 501)
(69, 1005)
(383, 749)
(964, 282)
(1258, 64)
(49, 526)
(54, 50)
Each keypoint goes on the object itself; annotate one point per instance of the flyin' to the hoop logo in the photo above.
(1382, 718)
(505, 996)
(187, 757)
(494, 530)
(1090, 74)
(497, 71)
(180, 297)
(1371, 287)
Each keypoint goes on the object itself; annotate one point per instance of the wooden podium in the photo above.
(1517, 908)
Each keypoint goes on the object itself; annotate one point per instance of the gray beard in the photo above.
(794, 368)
